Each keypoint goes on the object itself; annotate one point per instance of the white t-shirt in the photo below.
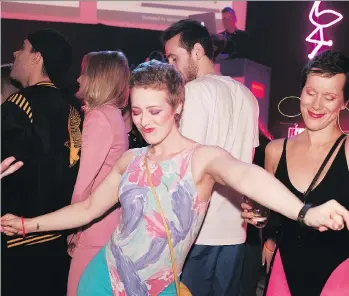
(222, 112)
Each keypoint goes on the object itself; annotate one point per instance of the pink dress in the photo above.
(104, 140)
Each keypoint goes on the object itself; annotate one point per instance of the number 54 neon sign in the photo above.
(319, 28)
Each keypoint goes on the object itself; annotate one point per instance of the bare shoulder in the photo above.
(273, 153)
(274, 148)
(203, 159)
(203, 156)
(206, 153)
(124, 161)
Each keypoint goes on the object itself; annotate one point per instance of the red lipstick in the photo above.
(315, 115)
(148, 130)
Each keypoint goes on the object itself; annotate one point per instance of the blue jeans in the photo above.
(214, 270)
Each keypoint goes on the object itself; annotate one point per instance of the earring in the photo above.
(339, 125)
(177, 119)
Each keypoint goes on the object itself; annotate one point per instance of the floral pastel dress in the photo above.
(138, 255)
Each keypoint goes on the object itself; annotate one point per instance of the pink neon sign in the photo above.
(313, 17)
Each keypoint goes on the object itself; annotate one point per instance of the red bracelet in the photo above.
(270, 250)
(23, 228)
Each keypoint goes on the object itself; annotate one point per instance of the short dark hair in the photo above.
(328, 64)
(191, 32)
(228, 9)
(159, 76)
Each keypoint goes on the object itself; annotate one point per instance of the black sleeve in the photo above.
(16, 132)
(21, 136)
(40, 185)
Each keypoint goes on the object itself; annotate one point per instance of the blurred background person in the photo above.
(237, 40)
(104, 90)
(156, 55)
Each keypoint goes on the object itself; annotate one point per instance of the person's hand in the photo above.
(247, 213)
(11, 225)
(267, 253)
(7, 166)
(330, 215)
(72, 243)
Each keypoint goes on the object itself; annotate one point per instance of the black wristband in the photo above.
(303, 212)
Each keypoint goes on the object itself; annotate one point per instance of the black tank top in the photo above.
(308, 256)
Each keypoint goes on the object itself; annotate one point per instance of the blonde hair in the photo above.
(107, 77)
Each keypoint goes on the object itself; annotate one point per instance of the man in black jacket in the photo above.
(41, 127)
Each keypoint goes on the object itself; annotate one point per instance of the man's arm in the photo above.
(194, 120)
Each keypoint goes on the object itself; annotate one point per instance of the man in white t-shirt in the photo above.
(217, 111)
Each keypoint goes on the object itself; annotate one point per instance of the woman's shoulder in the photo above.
(129, 157)
(275, 146)
(108, 111)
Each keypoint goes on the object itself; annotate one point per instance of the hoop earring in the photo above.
(339, 125)
(284, 99)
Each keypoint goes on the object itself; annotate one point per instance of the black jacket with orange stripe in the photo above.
(42, 127)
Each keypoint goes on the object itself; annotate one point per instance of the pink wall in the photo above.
(87, 13)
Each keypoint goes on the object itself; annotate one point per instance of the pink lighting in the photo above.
(292, 131)
(313, 17)
(258, 89)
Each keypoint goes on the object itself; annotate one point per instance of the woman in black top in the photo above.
(306, 262)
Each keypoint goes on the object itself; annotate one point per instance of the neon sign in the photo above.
(313, 17)
(258, 89)
(293, 131)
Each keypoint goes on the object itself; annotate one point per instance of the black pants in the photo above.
(35, 271)
(252, 262)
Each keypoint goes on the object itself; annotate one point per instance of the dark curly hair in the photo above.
(191, 32)
(159, 76)
(328, 64)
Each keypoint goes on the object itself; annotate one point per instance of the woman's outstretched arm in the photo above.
(259, 185)
(75, 215)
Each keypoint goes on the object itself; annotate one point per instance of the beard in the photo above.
(191, 71)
